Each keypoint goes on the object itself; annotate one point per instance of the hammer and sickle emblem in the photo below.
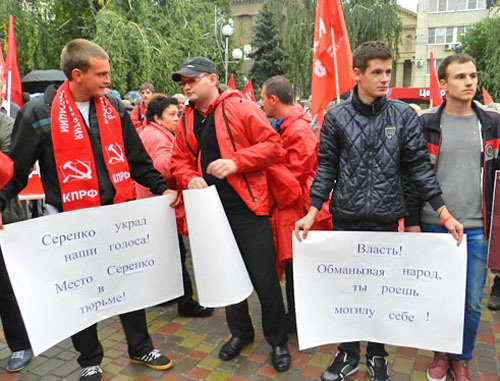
(115, 153)
(76, 170)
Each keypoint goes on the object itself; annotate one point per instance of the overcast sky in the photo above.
(409, 4)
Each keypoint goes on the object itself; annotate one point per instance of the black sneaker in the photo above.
(91, 373)
(154, 360)
(377, 369)
(342, 366)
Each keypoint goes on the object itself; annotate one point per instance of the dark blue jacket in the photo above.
(364, 151)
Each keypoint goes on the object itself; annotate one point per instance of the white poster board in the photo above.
(221, 275)
(403, 289)
(71, 270)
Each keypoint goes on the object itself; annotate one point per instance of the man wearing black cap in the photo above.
(226, 141)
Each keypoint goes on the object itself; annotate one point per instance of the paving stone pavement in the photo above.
(194, 344)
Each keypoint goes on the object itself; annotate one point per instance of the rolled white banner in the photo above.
(221, 275)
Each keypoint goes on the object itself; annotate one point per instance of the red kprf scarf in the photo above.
(74, 158)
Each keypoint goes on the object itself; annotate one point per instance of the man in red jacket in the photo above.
(293, 124)
(226, 141)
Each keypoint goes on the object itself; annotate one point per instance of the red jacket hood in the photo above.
(296, 113)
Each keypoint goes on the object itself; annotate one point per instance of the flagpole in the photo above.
(335, 67)
(9, 91)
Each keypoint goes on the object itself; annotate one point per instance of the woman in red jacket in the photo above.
(158, 137)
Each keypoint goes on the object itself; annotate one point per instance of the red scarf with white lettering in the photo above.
(76, 169)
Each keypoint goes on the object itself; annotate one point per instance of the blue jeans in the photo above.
(477, 253)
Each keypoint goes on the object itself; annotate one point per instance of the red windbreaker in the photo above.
(300, 161)
(245, 136)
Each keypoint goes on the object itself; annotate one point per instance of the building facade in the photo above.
(441, 26)
(404, 68)
(244, 13)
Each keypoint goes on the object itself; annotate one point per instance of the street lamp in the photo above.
(227, 31)
(237, 54)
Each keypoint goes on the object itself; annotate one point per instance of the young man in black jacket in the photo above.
(88, 151)
(463, 141)
(366, 145)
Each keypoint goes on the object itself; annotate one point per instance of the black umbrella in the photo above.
(37, 81)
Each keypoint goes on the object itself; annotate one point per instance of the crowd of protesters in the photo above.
(271, 179)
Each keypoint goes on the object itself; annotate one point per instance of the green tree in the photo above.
(148, 40)
(482, 43)
(268, 55)
(35, 45)
(298, 35)
(368, 20)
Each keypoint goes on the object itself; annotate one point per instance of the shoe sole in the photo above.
(155, 367)
(435, 379)
(15, 370)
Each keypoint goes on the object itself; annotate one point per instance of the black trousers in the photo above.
(290, 299)
(136, 331)
(186, 280)
(352, 348)
(255, 240)
(12, 321)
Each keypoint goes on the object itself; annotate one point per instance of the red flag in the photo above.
(3, 80)
(11, 68)
(231, 83)
(248, 91)
(435, 97)
(330, 18)
(487, 99)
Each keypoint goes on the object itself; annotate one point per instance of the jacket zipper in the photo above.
(235, 150)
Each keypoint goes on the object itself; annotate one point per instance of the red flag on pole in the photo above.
(248, 91)
(331, 74)
(435, 97)
(487, 99)
(14, 89)
(231, 83)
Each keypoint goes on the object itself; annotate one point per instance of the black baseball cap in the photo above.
(193, 67)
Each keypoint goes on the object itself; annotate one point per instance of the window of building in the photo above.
(448, 35)
(454, 5)
(437, 61)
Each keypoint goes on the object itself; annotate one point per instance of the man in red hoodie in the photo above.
(226, 141)
(293, 124)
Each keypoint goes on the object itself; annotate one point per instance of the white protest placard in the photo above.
(71, 270)
(221, 275)
(404, 289)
